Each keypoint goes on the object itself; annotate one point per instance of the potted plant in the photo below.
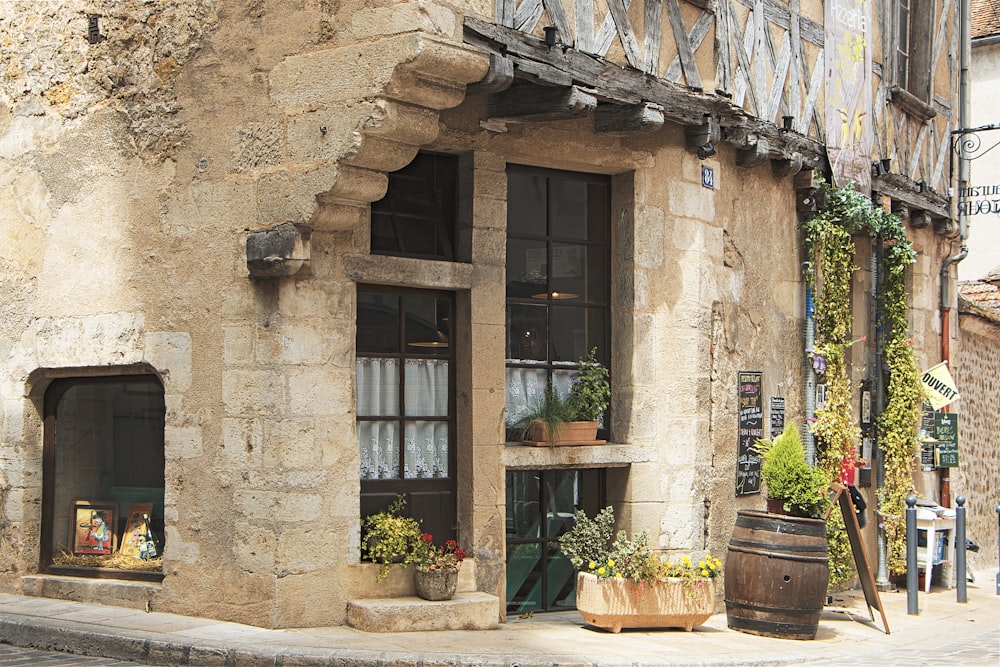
(573, 419)
(389, 538)
(622, 584)
(793, 486)
(436, 577)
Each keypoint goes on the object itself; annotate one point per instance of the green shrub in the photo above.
(389, 538)
(789, 477)
(590, 392)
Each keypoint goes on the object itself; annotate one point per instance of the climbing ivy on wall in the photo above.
(898, 423)
(830, 248)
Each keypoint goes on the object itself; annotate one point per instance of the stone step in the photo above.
(466, 611)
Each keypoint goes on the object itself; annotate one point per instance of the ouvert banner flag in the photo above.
(939, 386)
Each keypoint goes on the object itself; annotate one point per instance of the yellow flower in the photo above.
(686, 561)
(704, 573)
(611, 562)
(592, 565)
(701, 564)
(618, 574)
(601, 570)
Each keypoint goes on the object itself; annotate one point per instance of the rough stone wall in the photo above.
(131, 170)
(978, 377)
(49, 68)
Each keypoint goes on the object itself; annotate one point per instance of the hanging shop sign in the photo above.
(939, 386)
(849, 118)
(946, 433)
(751, 429)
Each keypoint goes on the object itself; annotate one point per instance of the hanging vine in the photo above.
(899, 420)
(830, 248)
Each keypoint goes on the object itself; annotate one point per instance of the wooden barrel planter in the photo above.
(777, 571)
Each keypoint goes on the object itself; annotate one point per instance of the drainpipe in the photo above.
(965, 43)
(964, 103)
(808, 440)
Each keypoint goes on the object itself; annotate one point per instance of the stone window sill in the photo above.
(517, 456)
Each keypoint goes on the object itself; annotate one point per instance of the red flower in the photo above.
(426, 537)
(451, 544)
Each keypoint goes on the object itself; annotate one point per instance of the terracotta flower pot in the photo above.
(568, 433)
(776, 506)
(436, 584)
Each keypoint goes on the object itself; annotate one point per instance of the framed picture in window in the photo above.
(92, 528)
(138, 540)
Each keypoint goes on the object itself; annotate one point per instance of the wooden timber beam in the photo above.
(753, 155)
(902, 189)
(787, 167)
(498, 77)
(621, 120)
(541, 103)
(777, 12)
(609, 82)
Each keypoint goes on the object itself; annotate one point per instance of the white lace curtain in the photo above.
(526, 390)
(425, 442)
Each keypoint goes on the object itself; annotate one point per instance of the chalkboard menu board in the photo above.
(777, 415)
(927, 421)
(946, 431)
(927, 454)
(751, 429)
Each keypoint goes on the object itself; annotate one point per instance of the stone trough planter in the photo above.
(614, 604)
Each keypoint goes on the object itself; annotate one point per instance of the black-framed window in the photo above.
(541, 506)
(103, 477)
(406, 403)
(417, 216)
(558, 282)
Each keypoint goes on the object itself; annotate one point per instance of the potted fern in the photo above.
(573, 419)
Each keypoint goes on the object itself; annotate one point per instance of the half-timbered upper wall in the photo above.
(768, 58)
(913, 127)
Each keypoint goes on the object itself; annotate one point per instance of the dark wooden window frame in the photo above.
(444, 224)
(603, 355)
(413, 485)
(548, 544)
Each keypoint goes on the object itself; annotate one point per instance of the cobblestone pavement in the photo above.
(975, 651)
(13, 656)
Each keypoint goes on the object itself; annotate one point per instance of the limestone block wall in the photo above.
(703, 285)
(978, 439)
(133, 167)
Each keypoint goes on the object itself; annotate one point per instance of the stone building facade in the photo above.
(207, 254)
(979, 320)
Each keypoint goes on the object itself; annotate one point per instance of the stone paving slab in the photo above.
(945, 632)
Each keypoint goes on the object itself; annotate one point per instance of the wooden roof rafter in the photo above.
(647, 97)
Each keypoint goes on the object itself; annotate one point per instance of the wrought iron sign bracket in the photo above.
(968, 145)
